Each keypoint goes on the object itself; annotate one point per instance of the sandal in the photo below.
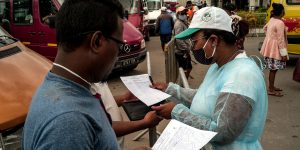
(277, 89)
(273, 93)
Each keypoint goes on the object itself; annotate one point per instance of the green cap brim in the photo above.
(187, 33)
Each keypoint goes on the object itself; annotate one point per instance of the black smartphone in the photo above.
(136, 109)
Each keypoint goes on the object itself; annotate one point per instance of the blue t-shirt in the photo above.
(65, 115)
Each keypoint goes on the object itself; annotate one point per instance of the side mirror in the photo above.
(51, 21)
(126, 14)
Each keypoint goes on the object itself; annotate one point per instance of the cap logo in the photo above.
(206, 17)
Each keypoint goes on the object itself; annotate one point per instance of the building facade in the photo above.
(240, 4)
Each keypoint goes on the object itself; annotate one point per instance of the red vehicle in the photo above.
(171, 4)
(27, 23)
(135, 11)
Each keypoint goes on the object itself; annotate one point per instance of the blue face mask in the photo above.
(182, 17)
(201, 57)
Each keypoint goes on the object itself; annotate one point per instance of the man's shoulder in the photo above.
(243, 69)
(73, 118)
(165, 15)
(56, 132)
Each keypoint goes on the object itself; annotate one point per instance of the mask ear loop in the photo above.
(213, 51)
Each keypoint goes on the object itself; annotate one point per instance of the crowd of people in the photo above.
(74, 108)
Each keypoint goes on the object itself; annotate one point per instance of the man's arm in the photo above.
(119, 99)
(229, 119)
(128, 96)
(122, 128)
(157, 25)
(172, 22)
(180, 94)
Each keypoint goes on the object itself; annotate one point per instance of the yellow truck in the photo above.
(292, 21)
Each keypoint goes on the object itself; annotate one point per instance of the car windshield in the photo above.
(131, 5)
(6, 39)
(153, 5)
(61, 2)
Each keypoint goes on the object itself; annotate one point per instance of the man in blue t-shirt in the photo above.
(66, 112)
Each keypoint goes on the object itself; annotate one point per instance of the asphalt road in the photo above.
(282, 130)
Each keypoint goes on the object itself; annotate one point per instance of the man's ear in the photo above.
(96, 41)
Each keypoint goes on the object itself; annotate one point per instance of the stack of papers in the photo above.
(179, 136)
(139, 85)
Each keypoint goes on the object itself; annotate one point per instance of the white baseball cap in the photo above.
(207, 18)
(163, 8)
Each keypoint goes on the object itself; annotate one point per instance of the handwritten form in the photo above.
(139, 86)
(179, 136)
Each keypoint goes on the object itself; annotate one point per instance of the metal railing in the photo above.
(174, 73)
(171, 67)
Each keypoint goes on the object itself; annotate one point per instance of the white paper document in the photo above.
(179, 136)
(139, 85)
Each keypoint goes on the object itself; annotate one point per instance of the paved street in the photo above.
(282, 128)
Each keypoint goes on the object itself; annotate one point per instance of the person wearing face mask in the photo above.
(232, 99)
(182, 47)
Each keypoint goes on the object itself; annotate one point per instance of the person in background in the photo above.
(274, 47)
(241, 30)
(241, 27)
(164, 26)
(296, 73)
(66, 111)
(204, 4)
(28, 19)
(189, 6)
(4, 23)
(182, 47)
(199, 5)
(121, 127)
(232, 99)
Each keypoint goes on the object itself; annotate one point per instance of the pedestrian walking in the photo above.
(274, 48)
(164, 26)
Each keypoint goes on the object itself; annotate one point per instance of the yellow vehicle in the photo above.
(292, 21)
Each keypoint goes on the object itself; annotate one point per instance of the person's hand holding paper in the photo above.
(151, 119)
(160, 86)
(139, 85)
(164, 110)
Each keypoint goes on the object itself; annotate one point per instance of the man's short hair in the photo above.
(76, 18)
